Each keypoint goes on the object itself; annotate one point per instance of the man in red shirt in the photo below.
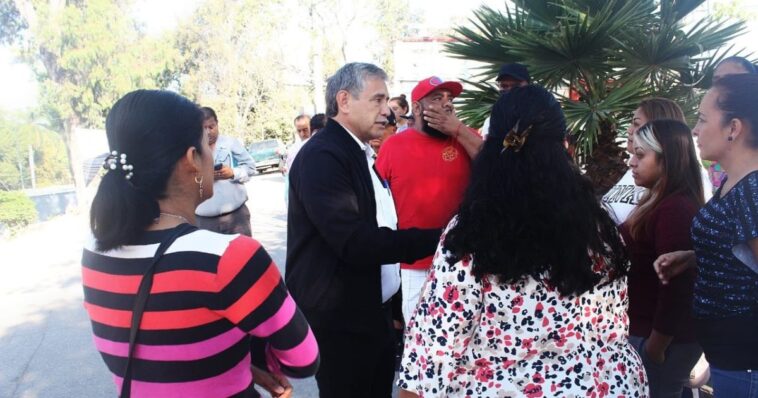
(427, 168)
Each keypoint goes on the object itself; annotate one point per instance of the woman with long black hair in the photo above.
(527, 294)
(173, 307)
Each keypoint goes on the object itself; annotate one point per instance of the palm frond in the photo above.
(602, 102)
(480, 41)
(710, 34)
(611, 53)
(674, 11)
(578, 46)
(474, 106)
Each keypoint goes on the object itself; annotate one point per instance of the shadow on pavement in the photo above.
(53, 356)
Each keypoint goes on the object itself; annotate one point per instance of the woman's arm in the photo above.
(656, 345)
(253, 296)
(669, 265)
(671, 223)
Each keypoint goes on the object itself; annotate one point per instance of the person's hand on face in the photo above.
(439, 112)
(224, 173)
(443, 120)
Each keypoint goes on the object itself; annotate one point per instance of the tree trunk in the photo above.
(75, 165)
(317, 71)
(607, 163)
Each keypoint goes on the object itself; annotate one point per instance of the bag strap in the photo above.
(140, 302)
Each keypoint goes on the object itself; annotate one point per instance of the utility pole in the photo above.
(31, 167)
(20, 172)
(317, 58)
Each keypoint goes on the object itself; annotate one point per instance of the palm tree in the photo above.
(600, 57)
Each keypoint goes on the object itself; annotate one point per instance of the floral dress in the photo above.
(472, 337)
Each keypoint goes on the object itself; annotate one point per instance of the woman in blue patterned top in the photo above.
(725, 239)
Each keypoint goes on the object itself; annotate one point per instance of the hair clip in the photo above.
(515, 140)
(114, 160)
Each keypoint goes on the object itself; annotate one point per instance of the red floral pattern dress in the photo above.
(473, 337)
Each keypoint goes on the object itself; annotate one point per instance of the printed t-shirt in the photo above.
(427, 177)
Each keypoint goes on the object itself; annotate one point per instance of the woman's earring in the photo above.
(730, 138)
(199, 182)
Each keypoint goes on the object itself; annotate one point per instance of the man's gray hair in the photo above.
(351, 78)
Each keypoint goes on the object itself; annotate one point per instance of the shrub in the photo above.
(16, 210)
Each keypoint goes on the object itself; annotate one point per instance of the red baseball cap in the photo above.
(426, 86)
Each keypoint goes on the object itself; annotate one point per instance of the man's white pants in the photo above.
(412, 282)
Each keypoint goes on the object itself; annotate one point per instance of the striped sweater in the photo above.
(211, 295)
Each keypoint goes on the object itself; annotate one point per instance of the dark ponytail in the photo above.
(153, 129)
(738, 99)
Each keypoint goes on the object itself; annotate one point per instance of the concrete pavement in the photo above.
(268, 216)
(45, 341)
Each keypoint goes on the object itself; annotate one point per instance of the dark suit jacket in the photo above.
(334, 246)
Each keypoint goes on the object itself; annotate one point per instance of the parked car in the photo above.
(268, 154)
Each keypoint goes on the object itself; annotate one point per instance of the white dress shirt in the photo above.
(386, 216)
(292, 152)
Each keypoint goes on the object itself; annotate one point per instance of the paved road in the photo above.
(46, 348)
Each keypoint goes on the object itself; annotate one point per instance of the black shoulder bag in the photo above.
(140, 303)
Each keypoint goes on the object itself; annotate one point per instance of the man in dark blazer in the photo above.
(338, 255)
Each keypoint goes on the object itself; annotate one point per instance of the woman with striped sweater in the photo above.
(178, 311)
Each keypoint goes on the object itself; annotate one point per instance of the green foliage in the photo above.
(234, 64)
(245, 60)
(591, 42)
(734, 9)
(50, 158)
(229, 55)
(609, 54)
(16, 210)
(392, 23)
(91, 55)
(12, 157)
(49, 155)
(10, 22)
(85, 55)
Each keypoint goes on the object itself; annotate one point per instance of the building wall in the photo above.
(417, 59)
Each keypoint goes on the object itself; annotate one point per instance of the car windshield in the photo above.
(263, 145)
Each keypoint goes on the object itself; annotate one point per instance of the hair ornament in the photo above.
(114, 161)
(514, 139)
